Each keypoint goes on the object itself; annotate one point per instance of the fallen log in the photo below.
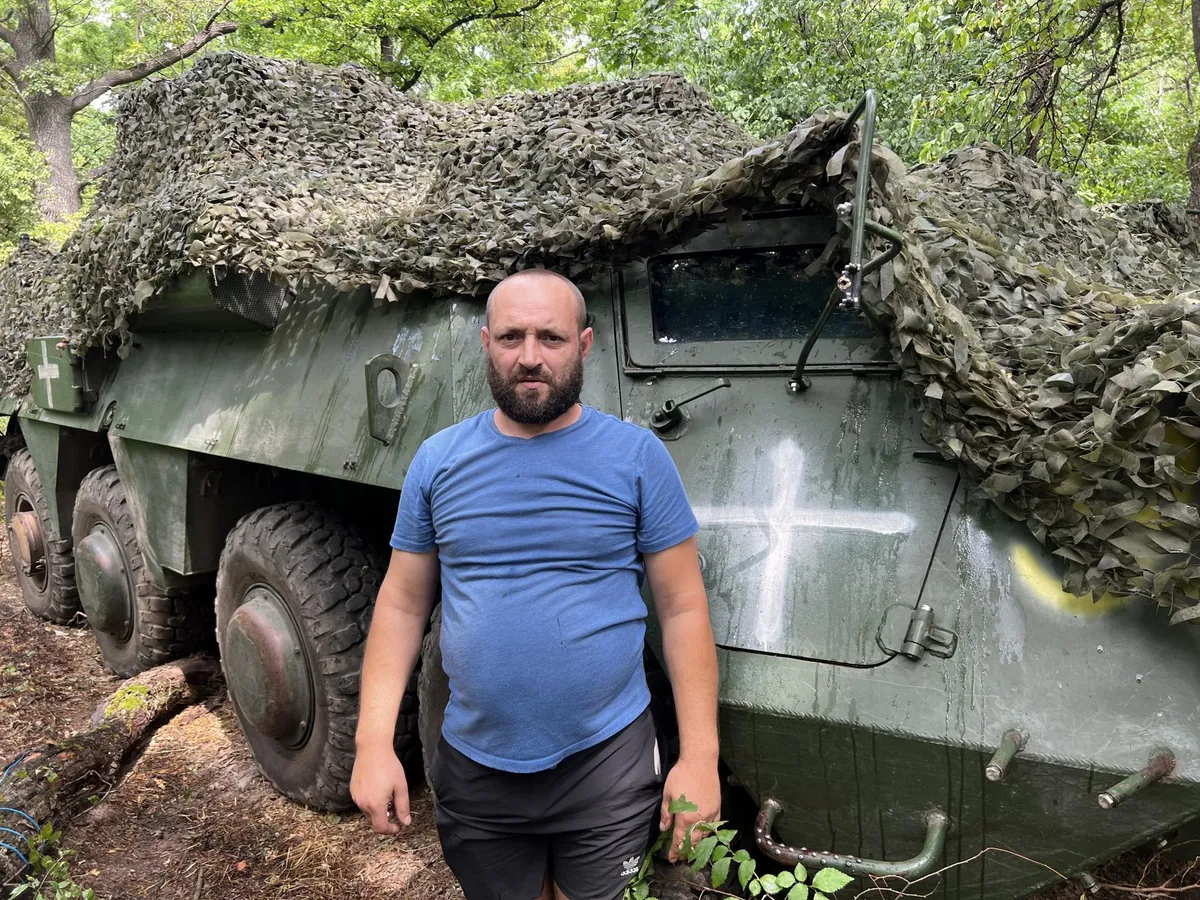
(51, 784)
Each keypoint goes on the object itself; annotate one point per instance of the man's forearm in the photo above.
(692, 664)
(393, 647)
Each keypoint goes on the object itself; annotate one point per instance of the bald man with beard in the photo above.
(541, 518)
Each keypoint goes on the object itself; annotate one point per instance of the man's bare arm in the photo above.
(393, 646)
(681, 604)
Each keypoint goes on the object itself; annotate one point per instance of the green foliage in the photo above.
(949, 73)
(21, 168)
(93, 37)
(716, 850)
(49, 876)
(449, 50)
(1119, 118)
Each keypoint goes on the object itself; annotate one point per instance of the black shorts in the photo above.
(588, 821)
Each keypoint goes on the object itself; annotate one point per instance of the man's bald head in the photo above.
(515, 283)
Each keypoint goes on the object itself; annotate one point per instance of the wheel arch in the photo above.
(12, 441)
(63, 457)
(185, 504)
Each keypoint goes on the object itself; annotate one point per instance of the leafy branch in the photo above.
(49, 876)
(715, 849)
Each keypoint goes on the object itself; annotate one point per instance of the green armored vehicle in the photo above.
(905, 686)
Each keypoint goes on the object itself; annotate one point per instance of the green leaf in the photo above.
(703, 852)
(727, 835)
(720, 871)
(755, 888)
(830, 880)
(746, 871)
(785, 879)
(800, 872)
(681, 804)
(798, 892)
(720, 852)
(659, 843)
(642, 891)
(741, 856)
(769, 884)
(817, 895)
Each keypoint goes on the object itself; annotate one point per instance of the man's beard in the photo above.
(527, 406)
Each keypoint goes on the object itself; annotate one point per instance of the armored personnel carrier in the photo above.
(906, 689)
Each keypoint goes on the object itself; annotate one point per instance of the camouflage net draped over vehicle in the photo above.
(1057, 351)
(1055, 347)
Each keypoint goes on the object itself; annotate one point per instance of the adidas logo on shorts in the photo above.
(630, 866)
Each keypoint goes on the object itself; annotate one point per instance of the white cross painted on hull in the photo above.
(44, 372)
(781, 520)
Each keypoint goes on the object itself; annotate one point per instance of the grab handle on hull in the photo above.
(937, 824)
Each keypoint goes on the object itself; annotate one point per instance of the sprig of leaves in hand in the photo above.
(715, 849)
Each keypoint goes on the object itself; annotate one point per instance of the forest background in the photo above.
(1103, 91)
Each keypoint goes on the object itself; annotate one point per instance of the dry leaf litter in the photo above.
(1056, 347)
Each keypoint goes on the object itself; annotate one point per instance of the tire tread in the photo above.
(62, 606)
(317, 551)
(169, 624)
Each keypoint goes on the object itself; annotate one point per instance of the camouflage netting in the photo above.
(1054, 345)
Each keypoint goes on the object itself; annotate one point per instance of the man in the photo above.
(540, 518)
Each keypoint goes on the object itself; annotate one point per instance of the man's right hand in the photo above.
(393, 648)
(380, 790)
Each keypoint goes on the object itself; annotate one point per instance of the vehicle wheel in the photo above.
(433, 691)
(295, 592)
(137, 624)
(44, 564)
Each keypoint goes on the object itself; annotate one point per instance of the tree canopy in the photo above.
(1101, 90)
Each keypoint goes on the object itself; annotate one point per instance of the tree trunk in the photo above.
(1193, 157)
(49, 119)
(1041, 80)
(1193, 168)
(54, 782)
(387, 50)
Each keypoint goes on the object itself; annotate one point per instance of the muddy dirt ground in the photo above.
(192, 817)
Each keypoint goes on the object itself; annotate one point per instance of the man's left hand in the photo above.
(699, 782)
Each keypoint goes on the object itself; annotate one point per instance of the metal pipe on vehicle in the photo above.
(1161, 764)
(866, 108)
(1010, 745)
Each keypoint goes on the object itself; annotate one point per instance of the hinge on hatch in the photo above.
(921, 635)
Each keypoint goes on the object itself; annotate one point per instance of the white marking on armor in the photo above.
(44, 371)
(781, 520)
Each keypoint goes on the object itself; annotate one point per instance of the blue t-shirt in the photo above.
(539, 541)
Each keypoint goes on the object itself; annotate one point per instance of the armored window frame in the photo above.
(643, 352)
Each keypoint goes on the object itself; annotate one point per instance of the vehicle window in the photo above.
(745, 295)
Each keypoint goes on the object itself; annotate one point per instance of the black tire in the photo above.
(433, 691)
(50, 591)
(164, 624)
(327, 575)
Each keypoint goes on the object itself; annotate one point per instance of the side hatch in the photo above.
(820, 510)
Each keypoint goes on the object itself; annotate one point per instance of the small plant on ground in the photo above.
(49, 875)
(715, 849)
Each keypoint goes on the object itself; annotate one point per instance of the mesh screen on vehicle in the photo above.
(253, 297)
